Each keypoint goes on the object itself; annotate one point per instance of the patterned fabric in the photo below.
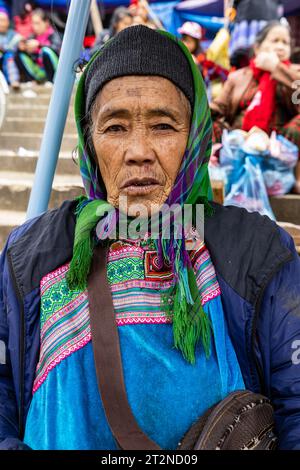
(137, 283)
(192, 180)
(126, 263)
(65, 324)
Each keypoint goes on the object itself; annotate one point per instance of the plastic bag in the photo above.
(283, 151)
(278, 182)
(249, 191)
(276, 158)
(232, 157)
(278, 166)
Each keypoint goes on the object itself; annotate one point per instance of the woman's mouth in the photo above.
(140, 186)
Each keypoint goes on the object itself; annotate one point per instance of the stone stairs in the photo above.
(20, 139)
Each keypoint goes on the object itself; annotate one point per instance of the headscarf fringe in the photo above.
(88, 215)
(183, 305)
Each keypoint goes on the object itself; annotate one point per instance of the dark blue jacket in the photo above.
(258, 271)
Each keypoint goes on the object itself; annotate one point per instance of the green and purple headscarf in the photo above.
(192, 186)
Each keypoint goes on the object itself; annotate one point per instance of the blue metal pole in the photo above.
(59, 105)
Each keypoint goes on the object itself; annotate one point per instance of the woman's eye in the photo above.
(115, 128)
(163, 127)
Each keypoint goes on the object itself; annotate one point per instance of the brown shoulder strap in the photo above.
(108, 362)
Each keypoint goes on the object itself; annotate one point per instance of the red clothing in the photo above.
(44, 38)
(262, 107)
(210, 70)
(23, 26)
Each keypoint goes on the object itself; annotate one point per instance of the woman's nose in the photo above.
(139, 151)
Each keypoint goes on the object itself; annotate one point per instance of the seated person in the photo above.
(261, 94)
(9, 41)
(37, 58)
(214, 74)
(121, 19)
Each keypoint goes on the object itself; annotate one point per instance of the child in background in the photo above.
(9, 41)
(213, 74)
(38, 55)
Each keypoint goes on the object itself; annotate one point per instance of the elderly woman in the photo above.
(193, 324)
(261, 94)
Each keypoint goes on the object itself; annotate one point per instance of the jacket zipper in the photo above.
(258, 303)
(22, 345)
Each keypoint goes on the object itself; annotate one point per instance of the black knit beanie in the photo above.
(139, 50)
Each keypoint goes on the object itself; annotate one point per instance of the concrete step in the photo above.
(32, 111)
(40, 89)
(9, 162)
(15, 190)
(26, 125)
(287, 208)
(31, 141)
(8, 221)
(19, 99)
(42, 99)
(26, 179)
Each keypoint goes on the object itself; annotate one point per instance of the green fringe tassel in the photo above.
(190, 323)
(208, 209)
(80, 264)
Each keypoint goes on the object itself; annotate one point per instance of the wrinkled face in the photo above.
(277, 40)
(38, 25)
(140, 132)
(190, 43)
(124, 23)
(4, 23)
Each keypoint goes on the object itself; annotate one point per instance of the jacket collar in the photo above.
(245, 248)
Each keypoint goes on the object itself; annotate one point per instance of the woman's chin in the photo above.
(139, 205)
(142, 206)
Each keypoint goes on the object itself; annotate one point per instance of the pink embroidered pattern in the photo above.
(65, 326)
